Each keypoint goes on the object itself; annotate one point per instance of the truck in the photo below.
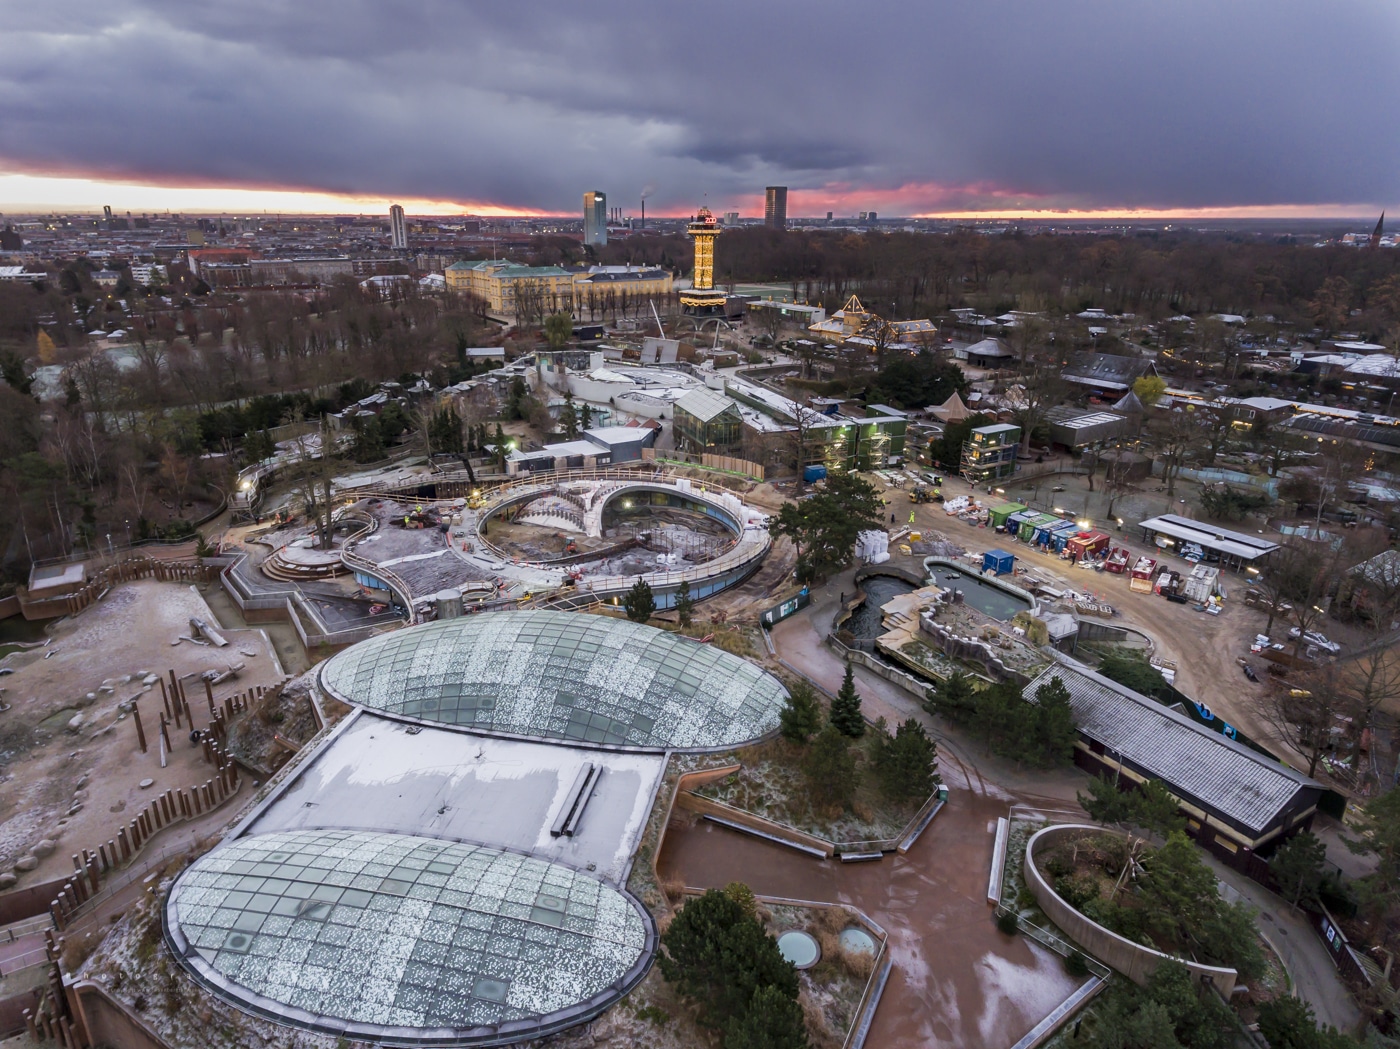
(921, 494)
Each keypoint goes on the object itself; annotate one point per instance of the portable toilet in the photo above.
(997, 515)
(998, 562)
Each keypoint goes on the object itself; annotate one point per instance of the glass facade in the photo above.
(404, 938)
(561, 676)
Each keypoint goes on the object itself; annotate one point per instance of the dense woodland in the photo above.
(125, 444)
(1152, 274)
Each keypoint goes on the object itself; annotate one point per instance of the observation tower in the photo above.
(702, 298)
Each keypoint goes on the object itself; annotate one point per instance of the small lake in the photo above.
(978, 592)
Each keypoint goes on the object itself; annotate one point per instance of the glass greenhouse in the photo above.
(561, 676)
(406, 939)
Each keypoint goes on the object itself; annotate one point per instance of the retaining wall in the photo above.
(710, 807)
(1133, 960)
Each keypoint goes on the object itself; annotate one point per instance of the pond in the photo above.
(864, 622)
(16, 631)
(982, 594)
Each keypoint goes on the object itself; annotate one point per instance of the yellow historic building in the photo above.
(537, 291)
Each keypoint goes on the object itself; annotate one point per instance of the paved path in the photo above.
(800, 641)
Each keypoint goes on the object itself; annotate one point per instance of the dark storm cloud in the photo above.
(1100, 104)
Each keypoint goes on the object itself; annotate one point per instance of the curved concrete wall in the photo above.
(1133, 960)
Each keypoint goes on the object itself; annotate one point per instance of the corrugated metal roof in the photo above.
(1189, 759)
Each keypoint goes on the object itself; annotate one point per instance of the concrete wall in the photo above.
(1133, 960)
(109, 1022)
(710, 807)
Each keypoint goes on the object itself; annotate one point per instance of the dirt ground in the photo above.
(1203, 647)
(72, 784)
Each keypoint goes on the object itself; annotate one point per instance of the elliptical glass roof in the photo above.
(404, 938)
(561, 675)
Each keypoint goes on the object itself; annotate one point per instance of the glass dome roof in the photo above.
(562, 676)
(406, 939)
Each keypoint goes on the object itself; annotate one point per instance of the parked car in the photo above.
(1312, 637)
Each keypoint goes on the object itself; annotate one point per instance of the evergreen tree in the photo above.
(585, 416)
(568, 418)
(845, 708)
(516, 399)
(773, 1020)
(717, 954)
(801, 717)
(685, 605)
(954, 699)
(1297, 867)
(1149, 805)
(906, 762)
(258, 445)
(498, 443)
(1054, 732)
(830, 768)
(639, 602)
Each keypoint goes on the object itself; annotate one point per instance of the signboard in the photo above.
(778, 613)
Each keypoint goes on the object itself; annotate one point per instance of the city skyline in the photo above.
(1100, 111)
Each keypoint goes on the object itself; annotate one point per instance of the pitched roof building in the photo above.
(1234, 798)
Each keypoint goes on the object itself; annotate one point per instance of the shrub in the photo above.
(1075, 964)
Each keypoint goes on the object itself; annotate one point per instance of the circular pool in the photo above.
(856, 940)
(800, 948)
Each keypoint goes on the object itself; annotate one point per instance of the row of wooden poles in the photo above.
(139, 568)
(50, 1018)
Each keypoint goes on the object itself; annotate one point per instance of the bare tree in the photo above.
(1311, 717)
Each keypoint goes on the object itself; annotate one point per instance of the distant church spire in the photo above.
(1376, 233)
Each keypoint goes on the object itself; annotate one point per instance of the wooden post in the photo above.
(140, 732)
(209, 694)
(165, 732)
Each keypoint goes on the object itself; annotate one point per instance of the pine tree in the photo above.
(801, 717)
(585, 416)
(685, 605)
(830, 768)
(845, 708)
(773, 1020)
(717, 954)
(639, 602)
(568, 418)
(906, 763)
(1053, 730)
(1297, 867)
(955, 699)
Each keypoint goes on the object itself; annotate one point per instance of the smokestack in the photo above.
(644, 213)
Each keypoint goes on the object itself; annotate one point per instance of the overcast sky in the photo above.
(909, 108)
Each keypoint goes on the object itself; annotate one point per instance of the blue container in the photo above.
(998, 562)
(813, 473)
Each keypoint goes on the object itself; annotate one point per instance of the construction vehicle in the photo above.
(921, 494)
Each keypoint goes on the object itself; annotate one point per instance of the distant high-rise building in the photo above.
(775, 207)
(595, 218)
(731, 218)
(398, 232)
(828, 216)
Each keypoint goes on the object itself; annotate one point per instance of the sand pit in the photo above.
(70, 766)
